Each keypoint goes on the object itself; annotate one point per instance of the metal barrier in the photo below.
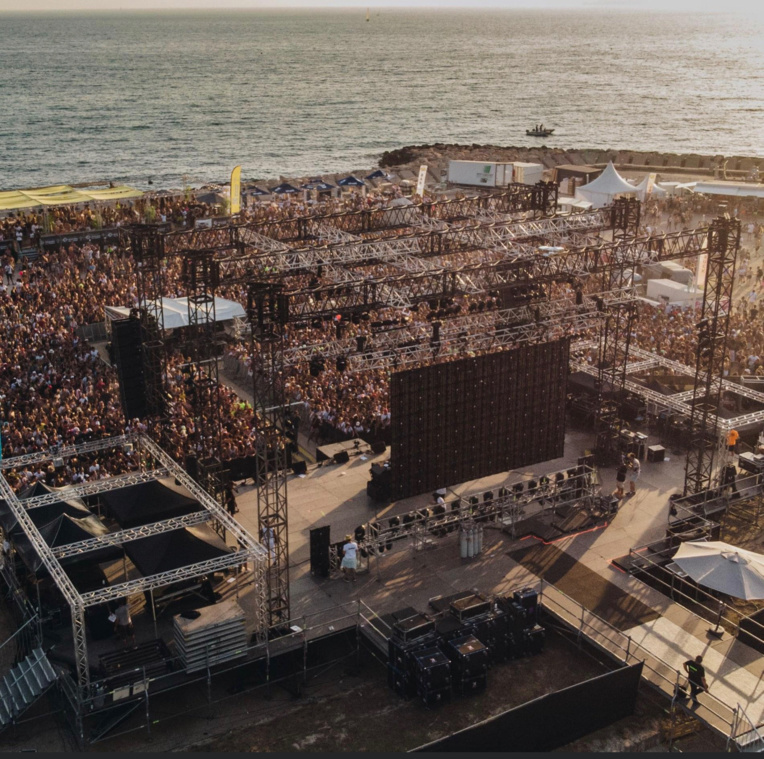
(657, 673)
(94, 333)
(108, 700)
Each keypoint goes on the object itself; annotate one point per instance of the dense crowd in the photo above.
(55, 387)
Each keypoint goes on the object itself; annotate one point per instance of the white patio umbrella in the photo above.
(723, 567)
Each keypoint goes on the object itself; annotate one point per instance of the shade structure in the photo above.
(61, 532)
(175, 549)
(284, 189)
(175, 312)
(605, 188)
(57, 195)
(378, 174)
(149, 502)
(723, 567)
(319, 185)
(257, 191)
(350, 181)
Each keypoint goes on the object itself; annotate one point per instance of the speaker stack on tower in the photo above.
(128, 356)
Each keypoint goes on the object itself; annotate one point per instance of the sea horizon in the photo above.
(182, 96)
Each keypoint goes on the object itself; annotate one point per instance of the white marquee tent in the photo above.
(175, 311)
(603, 190)
(656, 191)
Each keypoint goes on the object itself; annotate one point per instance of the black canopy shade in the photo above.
(149, 502)
(175, 549)
(62, 531)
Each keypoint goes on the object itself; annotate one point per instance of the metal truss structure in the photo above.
(249, 553)
(201, 276)
(505, 506)
(147, 245)
(267, 318)
(713, 331)
(615, 336)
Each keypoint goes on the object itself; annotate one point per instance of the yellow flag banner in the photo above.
(236, 190)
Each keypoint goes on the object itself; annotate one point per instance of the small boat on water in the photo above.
(539, 132)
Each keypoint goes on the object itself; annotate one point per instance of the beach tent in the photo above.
(284, 189)
(175, 311)
(378, 174)
(605, 188)
(350, 181)
(656, 192)
(318, 184)
(257, 191)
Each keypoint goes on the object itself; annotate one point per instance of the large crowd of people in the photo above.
(56, 388)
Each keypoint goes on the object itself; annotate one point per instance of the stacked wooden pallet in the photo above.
(217, 635)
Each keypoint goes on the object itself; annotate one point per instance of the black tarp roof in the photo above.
(149, 502)
(41, 515)
(62, 531)
(175, 549)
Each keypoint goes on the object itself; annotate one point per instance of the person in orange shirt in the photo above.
(732, 438)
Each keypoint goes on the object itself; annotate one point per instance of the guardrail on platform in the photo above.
(657, 673)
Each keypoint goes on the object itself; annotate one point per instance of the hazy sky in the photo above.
(128, 5)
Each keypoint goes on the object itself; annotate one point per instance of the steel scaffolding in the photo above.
(713, 331)
(250, 553)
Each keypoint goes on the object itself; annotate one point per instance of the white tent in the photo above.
(603, 190)
(175, 311)
(656, 192)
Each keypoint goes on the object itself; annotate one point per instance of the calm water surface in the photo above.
(128, 96)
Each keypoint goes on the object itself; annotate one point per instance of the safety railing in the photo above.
(744, 732)
(20, 644)
(106, 701)
(611, 641)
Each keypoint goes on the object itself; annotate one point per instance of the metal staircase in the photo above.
(23, 685)
(746, 735)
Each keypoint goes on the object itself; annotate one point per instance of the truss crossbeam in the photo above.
(94, 488)
(135, 533)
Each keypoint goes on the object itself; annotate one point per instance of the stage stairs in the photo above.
(23, 685)
(747, 737)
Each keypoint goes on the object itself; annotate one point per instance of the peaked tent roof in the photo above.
(284, 189)
(175, 549)
(641, 188)
(601, 191)
(149, 502)
(350, 181)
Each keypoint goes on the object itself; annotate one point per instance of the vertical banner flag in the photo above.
(422, 177)
(650, 184)
(236, 190)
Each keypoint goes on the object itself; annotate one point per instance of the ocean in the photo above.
(181, 98)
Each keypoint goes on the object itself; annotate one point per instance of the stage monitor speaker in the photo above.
(128, 355)
(300, 467)
(656, 453)
(378, 446)
(319, 551)
(342, 457)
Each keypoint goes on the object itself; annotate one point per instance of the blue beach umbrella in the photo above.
(350, 181)
(257, 191)
(285, 189)
(378, 174)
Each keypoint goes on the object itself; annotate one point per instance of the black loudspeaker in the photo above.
(319, 551)
(300, 467)
(342, 457)
(378, 446)
(128, 356)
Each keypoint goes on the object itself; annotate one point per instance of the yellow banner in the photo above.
(236, 190)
